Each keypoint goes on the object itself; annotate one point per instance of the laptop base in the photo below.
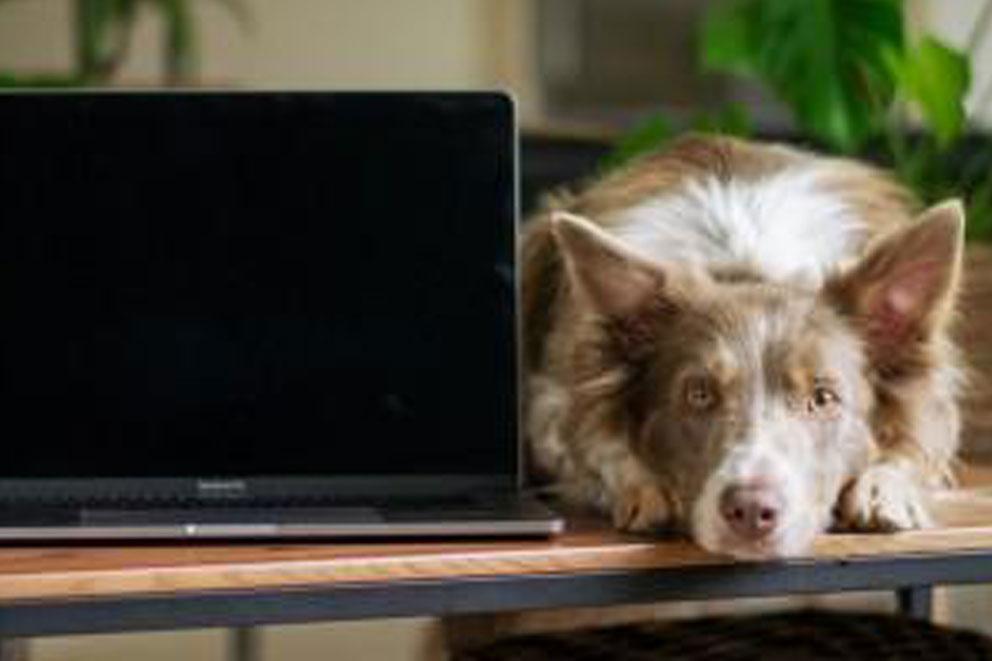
(509, 517)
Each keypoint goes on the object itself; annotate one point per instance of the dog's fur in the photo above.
(726, 314)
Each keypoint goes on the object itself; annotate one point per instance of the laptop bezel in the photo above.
(96, 488)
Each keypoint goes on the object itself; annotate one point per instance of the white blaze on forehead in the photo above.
(784, 224)
(778, 451)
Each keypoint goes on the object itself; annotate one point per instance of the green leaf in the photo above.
(727, 40)
(979, 215)
(828, 60)
(937, 77)
(645, 137)
(733, 119)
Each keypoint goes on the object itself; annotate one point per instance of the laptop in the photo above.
(271, 314)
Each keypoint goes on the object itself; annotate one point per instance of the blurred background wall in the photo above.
(576, 67)
(573, 63)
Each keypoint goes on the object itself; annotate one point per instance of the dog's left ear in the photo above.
(904, 287)
(612, 278)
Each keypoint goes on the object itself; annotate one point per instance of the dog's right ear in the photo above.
(904, 287)
(612, 278)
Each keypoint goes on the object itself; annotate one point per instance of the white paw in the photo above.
(643, 507)
(884, 498)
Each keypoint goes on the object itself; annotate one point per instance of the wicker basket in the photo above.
(798, 636)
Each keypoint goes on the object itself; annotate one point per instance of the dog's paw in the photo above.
(642, 507)
(884, 498)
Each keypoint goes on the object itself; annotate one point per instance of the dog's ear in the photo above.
(904, 287)
(614, 280)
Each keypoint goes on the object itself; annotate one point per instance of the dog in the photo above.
(745, 342)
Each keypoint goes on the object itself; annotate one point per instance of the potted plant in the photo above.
(102, 32)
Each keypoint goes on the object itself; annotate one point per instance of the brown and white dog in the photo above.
(745, 342)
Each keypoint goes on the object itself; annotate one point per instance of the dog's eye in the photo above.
(699, 394)
(822, 400)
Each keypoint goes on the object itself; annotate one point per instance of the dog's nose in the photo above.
(752, 512)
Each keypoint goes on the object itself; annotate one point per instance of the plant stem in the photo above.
(180, 54)
(103, 37)
(88, 34)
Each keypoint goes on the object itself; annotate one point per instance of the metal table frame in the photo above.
(911, 577)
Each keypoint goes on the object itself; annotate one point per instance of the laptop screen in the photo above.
(257, 284)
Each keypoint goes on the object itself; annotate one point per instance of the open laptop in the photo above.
(259, 315)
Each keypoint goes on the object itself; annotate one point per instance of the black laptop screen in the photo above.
(256, 284)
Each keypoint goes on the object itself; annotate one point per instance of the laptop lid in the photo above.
(230, 294)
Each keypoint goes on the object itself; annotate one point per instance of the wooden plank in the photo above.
(975, 476)
(93, 571)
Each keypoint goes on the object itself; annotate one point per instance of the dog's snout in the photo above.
(751, 511)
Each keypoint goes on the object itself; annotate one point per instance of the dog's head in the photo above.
(754, 403)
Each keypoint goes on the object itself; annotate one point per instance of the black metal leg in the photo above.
(915, 601)
(245, 644)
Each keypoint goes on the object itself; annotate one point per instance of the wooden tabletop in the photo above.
(30, 574)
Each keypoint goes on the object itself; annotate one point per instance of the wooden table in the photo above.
(72, 589)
